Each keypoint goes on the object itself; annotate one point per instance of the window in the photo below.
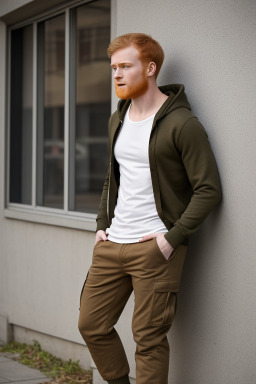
(59, 110)
(21, 116)
(50, 112)
(91, 108)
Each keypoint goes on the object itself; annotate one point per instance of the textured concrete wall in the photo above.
(210, 46)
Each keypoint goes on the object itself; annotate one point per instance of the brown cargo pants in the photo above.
(116, 271)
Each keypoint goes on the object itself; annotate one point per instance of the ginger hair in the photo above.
(149, 49)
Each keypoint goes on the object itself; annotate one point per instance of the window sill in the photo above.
(86, 222)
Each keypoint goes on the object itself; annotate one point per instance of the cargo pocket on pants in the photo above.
(164, 303)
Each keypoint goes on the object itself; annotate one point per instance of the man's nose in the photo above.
(118, 73)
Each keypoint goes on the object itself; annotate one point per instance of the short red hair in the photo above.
(149, 49)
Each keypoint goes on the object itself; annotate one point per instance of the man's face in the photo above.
(130, 74)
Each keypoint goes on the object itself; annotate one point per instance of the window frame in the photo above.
(34, 213)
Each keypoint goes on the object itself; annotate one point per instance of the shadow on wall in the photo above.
(173, 71)
(197, 303)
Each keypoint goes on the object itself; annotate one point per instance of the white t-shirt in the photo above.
(135, 213)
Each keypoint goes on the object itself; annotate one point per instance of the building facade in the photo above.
(55, 100)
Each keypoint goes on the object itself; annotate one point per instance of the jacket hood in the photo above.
(176, 99)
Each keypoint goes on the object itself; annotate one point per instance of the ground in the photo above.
(59, 371)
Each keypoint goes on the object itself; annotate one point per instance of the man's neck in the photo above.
(147, 105)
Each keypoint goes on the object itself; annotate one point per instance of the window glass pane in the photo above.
(51, 97)
(92, 110)
(21, 115)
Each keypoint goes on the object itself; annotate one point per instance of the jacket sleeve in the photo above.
(202, 172)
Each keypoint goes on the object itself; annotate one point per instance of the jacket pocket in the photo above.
(164, 303)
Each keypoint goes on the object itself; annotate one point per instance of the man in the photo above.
(162, 183)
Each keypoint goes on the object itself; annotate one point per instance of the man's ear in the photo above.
(151, 68)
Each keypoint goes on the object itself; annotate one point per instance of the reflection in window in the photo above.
(51, 99)
(87, 107)
(92, 44)
(21, 116)
(92, 109)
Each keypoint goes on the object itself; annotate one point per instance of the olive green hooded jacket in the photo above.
(184, 174)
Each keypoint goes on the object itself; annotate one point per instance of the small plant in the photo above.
(62, 372)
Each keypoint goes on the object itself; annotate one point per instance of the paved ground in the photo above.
(15, 373)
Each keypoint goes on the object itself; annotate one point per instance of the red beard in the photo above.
(132, 91)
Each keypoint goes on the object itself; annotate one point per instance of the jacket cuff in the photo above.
(175, 237)
(101, 224)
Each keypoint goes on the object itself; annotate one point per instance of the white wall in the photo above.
(210, 46)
